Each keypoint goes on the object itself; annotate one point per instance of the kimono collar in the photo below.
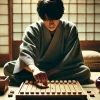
(47, 34)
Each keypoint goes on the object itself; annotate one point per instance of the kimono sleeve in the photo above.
(29, 49)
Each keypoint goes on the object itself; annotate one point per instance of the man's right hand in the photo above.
(40, 76)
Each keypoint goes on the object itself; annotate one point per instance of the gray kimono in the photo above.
(59, 56)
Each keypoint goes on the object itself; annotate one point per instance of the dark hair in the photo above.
(54, 9)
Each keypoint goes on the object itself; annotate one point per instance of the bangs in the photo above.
(53, 9)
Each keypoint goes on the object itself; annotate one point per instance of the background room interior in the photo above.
(16, 15)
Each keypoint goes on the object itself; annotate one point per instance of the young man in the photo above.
(50, 49)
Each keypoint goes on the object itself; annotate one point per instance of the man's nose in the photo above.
(51, 22)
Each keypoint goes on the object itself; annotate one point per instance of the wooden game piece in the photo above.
(57, 86)
(61, 81)
(26, 82)
(29, 87)
(71, 87)
(62, 88)
(56, 81)
(74, 82)
(52, 85)
(74, 92)
(67, 88)
(88, 91)
(10, 94)
(31, 82)
(12, 91)
(47, 90)
(33, 89)
(52, 81)
(69, 81)
(48, 81)
(76, 87)
(41, 85)
(92, 95)
(79, 92)
(43, 90)
(80, 88)
(65, 82)
(38, 89)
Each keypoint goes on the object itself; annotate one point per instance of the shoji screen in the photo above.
(5, 53)
(86, 15)
(97, 20)
(24, 13)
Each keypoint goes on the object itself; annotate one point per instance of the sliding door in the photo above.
(5, 32)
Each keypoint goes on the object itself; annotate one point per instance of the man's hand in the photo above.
(40, 76)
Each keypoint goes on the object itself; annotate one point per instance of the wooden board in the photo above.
(56, 89)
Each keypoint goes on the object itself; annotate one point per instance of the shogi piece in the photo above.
(56, 89)
(4, 82)
(10, 95)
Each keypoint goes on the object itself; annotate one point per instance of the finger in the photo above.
(41, 78)
(45, 79)
(36, 78)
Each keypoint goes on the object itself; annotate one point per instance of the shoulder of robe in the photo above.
(67, 23)
(68, 28)
(35, 28)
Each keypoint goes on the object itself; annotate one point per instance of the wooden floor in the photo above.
(94, 76)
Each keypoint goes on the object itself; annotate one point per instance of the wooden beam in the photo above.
(3, 59)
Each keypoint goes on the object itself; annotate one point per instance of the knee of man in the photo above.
(87, 71)
(6, 69)
(9, 68)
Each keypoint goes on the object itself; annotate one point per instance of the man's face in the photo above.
(51, 24)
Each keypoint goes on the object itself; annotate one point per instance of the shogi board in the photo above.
(67, 89)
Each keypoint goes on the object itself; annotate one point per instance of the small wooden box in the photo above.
(4, 83)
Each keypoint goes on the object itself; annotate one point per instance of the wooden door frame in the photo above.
(8, 57)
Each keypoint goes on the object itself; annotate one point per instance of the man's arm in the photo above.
(29, 54)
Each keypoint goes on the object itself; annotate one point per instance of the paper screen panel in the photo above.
(97, 36)
(4, 49)
(90, 36)
(4, 41)
(82, 36)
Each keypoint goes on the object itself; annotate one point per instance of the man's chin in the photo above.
(51, 28)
